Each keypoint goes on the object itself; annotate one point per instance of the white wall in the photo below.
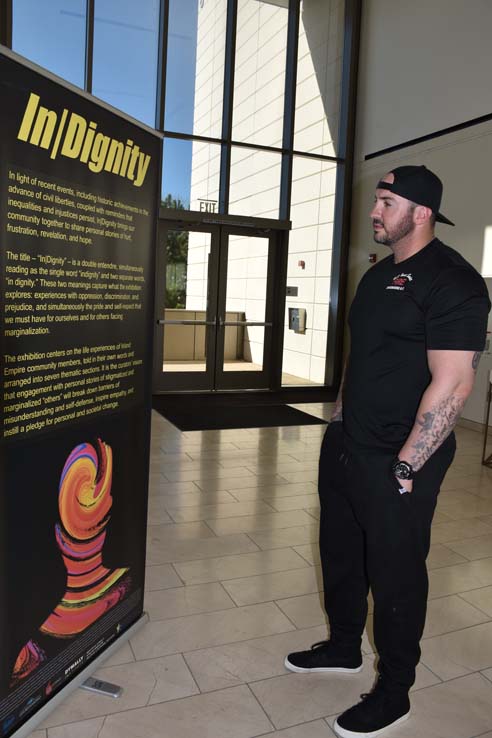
(389, 113)
(424, 66)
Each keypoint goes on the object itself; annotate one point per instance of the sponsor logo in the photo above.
(29, 705)
(73, 666)
(7, 724)
(52, 685)
(400, 282)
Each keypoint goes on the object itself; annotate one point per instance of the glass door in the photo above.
(186, 307)
(245, 309)
(214, 308)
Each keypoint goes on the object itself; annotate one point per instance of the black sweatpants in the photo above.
(373, 536)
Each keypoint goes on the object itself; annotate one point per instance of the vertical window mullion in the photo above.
(6, 23)
(227, 110)
(162, 65)
(289, 108)
(343, 197)
(89, 45)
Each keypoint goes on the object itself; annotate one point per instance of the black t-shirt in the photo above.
(433, 300)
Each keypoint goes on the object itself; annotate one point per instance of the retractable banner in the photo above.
(78, 199)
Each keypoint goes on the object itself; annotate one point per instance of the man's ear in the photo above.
(422, 215)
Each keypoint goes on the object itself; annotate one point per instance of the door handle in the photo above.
(243, 323)
(187, 322)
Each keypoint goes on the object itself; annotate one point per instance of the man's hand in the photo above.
(407, 484)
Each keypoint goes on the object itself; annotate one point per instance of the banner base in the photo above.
(28, 727)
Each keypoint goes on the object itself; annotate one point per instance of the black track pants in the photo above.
(373, 536)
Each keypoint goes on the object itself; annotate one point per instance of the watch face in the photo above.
(402, 470)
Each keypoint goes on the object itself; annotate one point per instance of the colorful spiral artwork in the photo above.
(84, 505)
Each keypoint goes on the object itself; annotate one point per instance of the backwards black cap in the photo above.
(420, 185)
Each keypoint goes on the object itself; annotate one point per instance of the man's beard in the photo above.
(402, 229)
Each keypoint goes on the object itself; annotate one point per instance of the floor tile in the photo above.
(481, 598)
(455, 654)
(303, 476)
(440, 555)
(274, 492)
(210, 629)
(297, 698)
(247, 564)
(229, 713)
(251, 459)
(191, 499)
(240, 482)
(174, 603)
(213, 473)
(225, 510)
(179, 532)
(440, 517)
(172, 488)
(143, 682)
(310, 552)
(316, 729)
(157, 514)
(260, 522)
(161, 550)
(82, 729)
(274, 586)
(473, 548)
(162, 576)
(281, 537)
(305, 611)
(468, 509)
(248, 661)
(124, 655)
(460, 578)
(454, 494)
(297, 502)
(459, 529)
(281, 467)
(448, 614)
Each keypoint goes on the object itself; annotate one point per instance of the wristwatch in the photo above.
(402, 469)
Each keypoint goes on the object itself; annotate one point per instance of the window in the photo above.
(190, 179)
(52, 35)
(259, 78)
(195, 67)
(125, 56)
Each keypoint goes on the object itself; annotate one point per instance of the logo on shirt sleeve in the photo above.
(400, 282)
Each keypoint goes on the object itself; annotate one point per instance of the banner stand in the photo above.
(27, 728)
(79, 195)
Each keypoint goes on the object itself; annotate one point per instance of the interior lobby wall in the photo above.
(403, 94)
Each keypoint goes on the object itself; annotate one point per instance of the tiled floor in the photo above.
(233, 585)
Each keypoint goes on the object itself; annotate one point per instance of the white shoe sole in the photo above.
(337, 669)
(343, 733)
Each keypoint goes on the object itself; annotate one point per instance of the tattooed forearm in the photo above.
(435, 426)
(337, 411)
(476, 360)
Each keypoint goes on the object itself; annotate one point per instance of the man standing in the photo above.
(418, 325)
